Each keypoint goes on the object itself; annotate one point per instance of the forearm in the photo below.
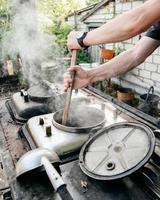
(125, 61)
(117, 66)
(125, 26)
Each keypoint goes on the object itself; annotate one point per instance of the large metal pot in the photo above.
(81, 119)
(150, 102)
(41, 92)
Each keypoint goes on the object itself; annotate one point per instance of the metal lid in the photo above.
(117, 151)
(40, 93)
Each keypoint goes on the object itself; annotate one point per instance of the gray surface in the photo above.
(123, 189)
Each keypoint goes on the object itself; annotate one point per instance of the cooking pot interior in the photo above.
(81, 117)
(125, 90)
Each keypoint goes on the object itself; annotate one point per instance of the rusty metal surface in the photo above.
(9, 130)
(12, 147)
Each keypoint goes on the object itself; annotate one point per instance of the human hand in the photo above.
(72, 40)
(81, 78)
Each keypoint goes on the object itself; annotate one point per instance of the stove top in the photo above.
(41, 131)
(37, 100)
(142, 185)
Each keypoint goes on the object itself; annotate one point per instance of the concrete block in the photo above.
(128, 46)
(149, 59)
(135, 71)
(155, 76)
(141, 66)
(136, 4)
(133, 79)
(158, 66)
(150, 67)
(145, 74)
(148, 81)
(118, 7)
(126, 6)
(156, 59)
(156, 52)
(157, 84)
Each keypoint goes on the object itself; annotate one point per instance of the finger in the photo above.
(73, 68)
(67, 77)
(66, 85)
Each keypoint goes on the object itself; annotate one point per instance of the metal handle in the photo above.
(151, 88)
(56, 180)
(52, 173)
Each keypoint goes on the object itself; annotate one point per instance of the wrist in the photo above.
(81, 36)
(98, 74)
(92, 76)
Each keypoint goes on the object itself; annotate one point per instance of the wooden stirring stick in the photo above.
(69, 92)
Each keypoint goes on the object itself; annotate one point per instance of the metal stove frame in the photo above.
(144, 181)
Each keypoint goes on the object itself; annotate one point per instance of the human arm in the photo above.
(121, 27)
(121, 64)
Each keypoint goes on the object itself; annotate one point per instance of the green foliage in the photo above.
(83, 56)
(58, 10)
(90, 2)
(4, 17)
(61, 33)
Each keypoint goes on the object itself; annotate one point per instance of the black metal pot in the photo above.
(40, 93)
(150, 102)
(81, 119)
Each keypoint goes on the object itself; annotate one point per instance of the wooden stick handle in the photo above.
(69, 91)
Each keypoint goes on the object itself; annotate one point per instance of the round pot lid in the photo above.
(40, 93)
(117, 151)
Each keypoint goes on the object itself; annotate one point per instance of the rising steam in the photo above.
(27, 40)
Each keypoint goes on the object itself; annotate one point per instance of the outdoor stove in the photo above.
(40, 131)
(44, 132)
(37, 100)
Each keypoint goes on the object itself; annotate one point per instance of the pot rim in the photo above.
(79, 129)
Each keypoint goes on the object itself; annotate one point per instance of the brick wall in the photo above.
(148, 73)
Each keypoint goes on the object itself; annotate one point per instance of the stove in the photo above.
(37, 100)
(39, 131)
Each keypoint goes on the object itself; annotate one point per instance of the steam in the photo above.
(31, 44)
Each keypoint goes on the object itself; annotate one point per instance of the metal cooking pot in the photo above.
(126, 95)
(81, 119)
(40, 93)
(150, 98)
(150, 102)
